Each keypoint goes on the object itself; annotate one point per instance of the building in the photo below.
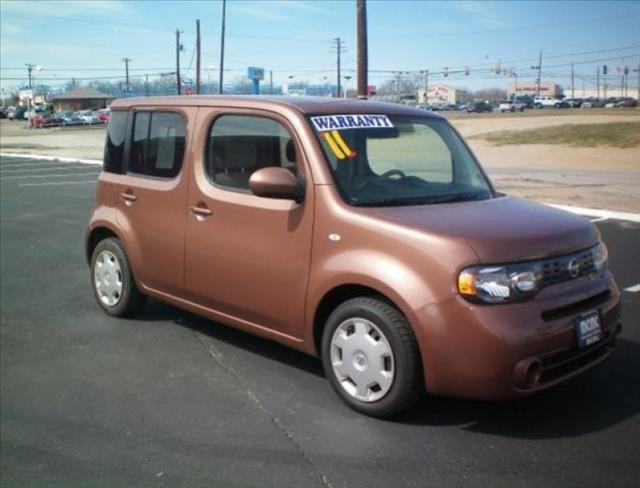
(520, 88)
(439, 94)
(80, 99)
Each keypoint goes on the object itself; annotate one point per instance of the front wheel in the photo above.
(112, 280)
(371, 357)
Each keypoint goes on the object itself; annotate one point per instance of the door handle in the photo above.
(200, 211)
(129, 197)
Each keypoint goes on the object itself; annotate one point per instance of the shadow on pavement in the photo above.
(599, 399)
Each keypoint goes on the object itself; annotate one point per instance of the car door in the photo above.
(247, 257)
(152, 195)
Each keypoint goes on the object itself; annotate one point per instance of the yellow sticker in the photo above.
(332, 144)
(342, 144)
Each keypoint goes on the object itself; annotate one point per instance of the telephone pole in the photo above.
(598, 79)
(30, 68)
(338, 46)
(197, 56)
(270, 82)
(178, 49)
(539, 74)
(126, 62)
(224, 18)
(363, 55)
(573, 95)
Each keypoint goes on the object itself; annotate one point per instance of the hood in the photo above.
(499, 230)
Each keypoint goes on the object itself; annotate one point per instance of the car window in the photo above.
(241, 144)
(157, 144)
(114, 147)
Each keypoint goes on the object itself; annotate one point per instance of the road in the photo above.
(172, 400)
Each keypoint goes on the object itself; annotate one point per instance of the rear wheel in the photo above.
(112, 280)
(371, 357)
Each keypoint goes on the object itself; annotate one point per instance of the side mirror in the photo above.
(276, 182)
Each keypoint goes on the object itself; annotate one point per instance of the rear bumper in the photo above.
(512, 350)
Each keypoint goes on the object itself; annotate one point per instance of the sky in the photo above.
(293, 38)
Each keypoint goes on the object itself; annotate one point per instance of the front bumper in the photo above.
(486, 351)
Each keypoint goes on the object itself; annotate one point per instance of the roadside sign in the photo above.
(254, 73)
(25, 95)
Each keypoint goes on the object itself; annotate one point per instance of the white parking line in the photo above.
(22, 177)
(599, 219)
(45, 157)
(633, 289)
(596, 212)
(55, 168)
(58, 183)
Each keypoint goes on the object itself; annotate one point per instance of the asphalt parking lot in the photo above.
(171, 399)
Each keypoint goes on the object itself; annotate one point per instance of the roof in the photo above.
(305, 105)
(82, 94)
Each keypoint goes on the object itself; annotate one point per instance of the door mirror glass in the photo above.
(276, 182)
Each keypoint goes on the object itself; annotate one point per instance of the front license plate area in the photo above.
(588, 329)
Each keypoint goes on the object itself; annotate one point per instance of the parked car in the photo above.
(88, 117)
(104, 115)
(40, 120)
(548, 102)
(593, 102)
(511, 106)
(479, 107)
(611, 102)
(574, 102)
(3, 113)
(626, 102)
(401, 278)
(67, 118)
(16, 113)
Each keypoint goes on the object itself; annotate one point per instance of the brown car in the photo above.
(364, 233)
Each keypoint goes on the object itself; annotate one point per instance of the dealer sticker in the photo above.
(337, 122)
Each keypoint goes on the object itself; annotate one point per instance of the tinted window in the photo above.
(239, 145)
(114, 146)
(157, 145)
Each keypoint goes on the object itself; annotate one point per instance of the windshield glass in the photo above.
(384, 160)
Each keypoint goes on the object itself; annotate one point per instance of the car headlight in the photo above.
(600, 256)
(499, 284)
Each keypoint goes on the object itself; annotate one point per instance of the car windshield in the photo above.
(388, 160)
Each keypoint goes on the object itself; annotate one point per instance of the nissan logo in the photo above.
(573, 268)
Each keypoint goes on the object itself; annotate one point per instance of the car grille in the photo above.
(556, 270)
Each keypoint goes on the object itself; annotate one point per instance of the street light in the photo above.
(346, 79)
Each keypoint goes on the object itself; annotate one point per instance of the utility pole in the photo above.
(270, 82)
(539, 73)
(363, 55)
(29, 71)
(146, 85)
(178, 49)
(126, 62)
(197, 56)
(573, 94)
(224, 17)
(338, 46)
(426, 87)
(598, 79)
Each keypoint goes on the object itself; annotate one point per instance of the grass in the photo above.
(615, 134)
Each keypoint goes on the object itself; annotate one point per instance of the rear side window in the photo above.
(241, 144)
(114, 147)
(157, 144)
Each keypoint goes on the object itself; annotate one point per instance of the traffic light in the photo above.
(604, 69)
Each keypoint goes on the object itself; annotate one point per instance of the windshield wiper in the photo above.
(460, 197)
(393, 202)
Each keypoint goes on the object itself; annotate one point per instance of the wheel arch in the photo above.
(340, 294)
(96, 235)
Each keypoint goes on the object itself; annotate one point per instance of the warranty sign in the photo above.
(338, 122)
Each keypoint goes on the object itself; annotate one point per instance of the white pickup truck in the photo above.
(545, 102)
(511, 106)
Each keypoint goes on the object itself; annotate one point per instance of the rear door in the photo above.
(153, 195)
(247, 257)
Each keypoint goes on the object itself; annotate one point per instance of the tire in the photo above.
(397, 381)
(114, 287)
(521, 109)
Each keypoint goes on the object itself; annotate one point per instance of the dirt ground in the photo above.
(602, 177)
